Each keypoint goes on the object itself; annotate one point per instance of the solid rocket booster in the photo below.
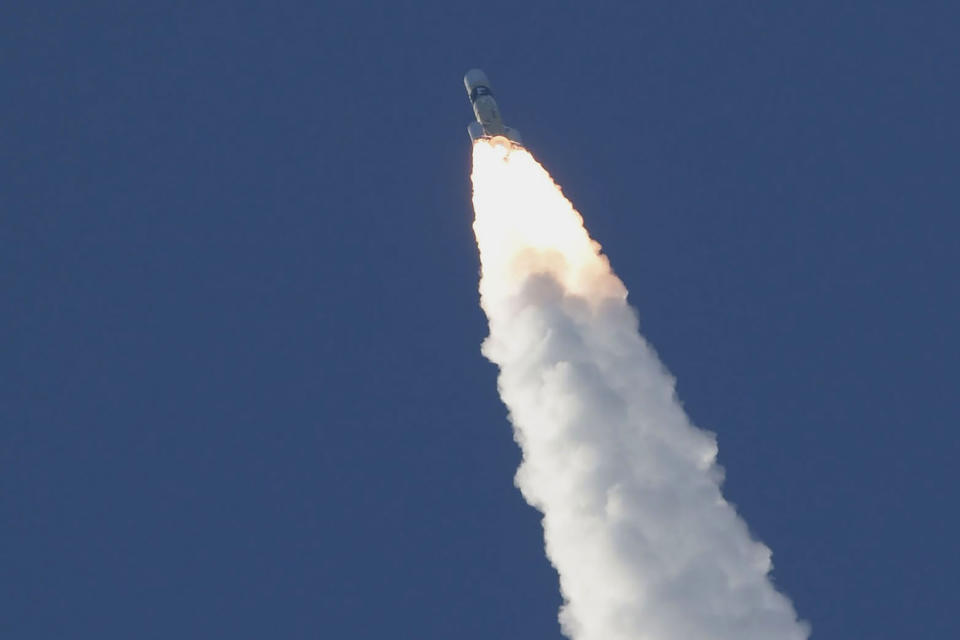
(488, 123)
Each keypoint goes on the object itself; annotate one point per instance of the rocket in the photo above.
(488, 123)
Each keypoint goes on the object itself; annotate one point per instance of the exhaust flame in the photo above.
(634, 521)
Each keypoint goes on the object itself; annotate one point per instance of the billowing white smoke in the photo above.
(644, 543)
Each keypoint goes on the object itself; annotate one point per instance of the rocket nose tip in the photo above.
(475, 76)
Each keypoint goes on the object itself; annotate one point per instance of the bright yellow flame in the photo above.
(525, 226)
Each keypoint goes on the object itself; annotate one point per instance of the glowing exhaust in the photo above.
(634, 521)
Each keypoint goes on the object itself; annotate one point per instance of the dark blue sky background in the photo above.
(242, 394)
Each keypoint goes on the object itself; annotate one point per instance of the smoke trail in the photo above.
(634, 521)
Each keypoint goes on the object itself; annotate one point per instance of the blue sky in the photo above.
(243, 394)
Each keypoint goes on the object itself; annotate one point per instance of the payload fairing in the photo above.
(488, 124)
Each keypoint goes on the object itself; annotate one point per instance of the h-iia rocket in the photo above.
(488, 124)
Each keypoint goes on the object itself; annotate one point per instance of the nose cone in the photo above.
(475, 78)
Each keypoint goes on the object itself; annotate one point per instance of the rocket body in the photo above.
(488, 122)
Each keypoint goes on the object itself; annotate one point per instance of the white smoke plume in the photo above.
(634, 521)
